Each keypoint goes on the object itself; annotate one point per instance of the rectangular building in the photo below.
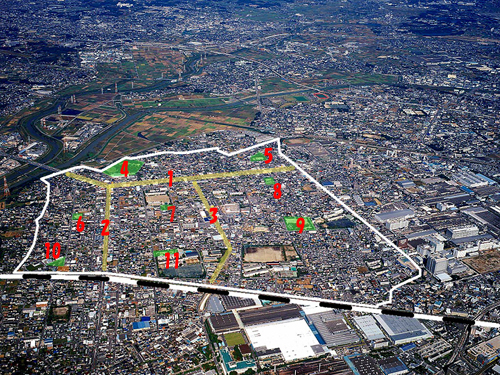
(363, 365)
(394, 215)
(293, 337)
(269, 314)
(332, 328)
(437, 264)
(226, 322)
(461, 232)
(402, 330)
(368, 325)
(392, 366)
(487, 351)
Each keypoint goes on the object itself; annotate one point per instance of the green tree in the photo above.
(237, 354)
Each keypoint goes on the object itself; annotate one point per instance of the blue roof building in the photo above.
(139, 326)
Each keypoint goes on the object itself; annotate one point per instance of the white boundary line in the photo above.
(217, 149)
(192, 287)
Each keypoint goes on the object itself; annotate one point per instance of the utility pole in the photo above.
(6, 191)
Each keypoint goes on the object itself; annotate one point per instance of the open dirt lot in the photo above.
(488, 261)
(263, 254)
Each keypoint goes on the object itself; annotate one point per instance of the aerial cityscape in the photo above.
(281, 187)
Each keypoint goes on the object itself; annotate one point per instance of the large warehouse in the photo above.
(332, 328)
(369, 327)
(292, 337)
(402, 330)
(269, 314)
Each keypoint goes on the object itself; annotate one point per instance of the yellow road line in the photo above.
(224, 258)
(107, 214)
(208, 176)
(86, 179)
(109, 187)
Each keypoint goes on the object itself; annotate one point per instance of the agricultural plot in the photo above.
(165, 126)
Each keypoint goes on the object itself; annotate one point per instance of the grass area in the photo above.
(360, 78)
(261, 14)
(259, 156)
(58, 262)
(133, 168)
(31, 267)
(164, 207)
(163, 252)
(291, 223)
(276, 84)
(269, 181)
(233, 339)
(76, 215)
(255, 54)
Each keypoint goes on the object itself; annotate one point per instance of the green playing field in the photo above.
(291, 223)
(234, 338)
(133, 168)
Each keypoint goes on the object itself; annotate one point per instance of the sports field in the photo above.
(263, 254)
(291, 223)
(234, 338)
(133, 168)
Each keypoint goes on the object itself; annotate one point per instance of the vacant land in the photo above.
(162, 127)
(123, 145)
(489, 261)
(290, 253)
